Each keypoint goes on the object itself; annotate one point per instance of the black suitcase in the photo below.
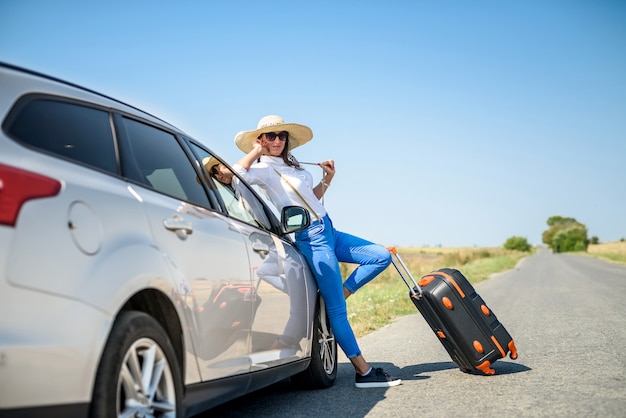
(469, 331)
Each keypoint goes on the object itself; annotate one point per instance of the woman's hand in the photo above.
(259, 148)
(248, 159)
(329, 170)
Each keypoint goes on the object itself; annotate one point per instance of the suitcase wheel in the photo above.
(513, 350)
(486, 368)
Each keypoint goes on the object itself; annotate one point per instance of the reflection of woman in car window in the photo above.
(240, 202)
(270, 164)
(218, 171)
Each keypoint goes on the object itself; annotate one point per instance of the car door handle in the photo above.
(260, 248)
(177, 224)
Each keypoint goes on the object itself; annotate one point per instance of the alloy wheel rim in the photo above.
(145, 385)
(327, 346)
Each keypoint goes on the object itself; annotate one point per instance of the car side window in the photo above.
(154, 158)
(239, 201)
(68, 130)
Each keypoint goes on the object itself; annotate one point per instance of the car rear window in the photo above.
(68, 130)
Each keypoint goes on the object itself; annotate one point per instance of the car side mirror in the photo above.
(294, 218)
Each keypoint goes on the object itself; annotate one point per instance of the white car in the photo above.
(132, 283)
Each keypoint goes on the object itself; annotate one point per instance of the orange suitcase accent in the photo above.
(447, 302)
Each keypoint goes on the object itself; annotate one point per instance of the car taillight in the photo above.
(18, 186)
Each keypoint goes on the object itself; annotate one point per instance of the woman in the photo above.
(269, 164)
(218, 171)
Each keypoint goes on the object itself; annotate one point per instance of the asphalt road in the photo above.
(567, 314)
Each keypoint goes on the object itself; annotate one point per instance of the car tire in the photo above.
(322, 371)
(138, 373)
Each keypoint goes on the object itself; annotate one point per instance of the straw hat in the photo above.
(208, 163)
(298, 134)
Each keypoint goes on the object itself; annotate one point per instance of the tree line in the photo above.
(563, 235)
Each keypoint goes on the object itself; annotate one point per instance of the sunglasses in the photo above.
(282, 136)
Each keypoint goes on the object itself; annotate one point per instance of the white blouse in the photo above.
(264, 174)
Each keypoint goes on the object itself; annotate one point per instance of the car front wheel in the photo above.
(138, 373)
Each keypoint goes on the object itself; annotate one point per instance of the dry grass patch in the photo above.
(611, 251)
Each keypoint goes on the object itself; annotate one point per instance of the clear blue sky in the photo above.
(453, 123)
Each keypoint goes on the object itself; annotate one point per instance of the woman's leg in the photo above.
(319, 250)
(317, 247)
(371, 258)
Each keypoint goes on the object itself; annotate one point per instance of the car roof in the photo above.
(87, 94)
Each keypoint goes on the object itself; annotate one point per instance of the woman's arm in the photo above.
(248, 159)
(329, 173)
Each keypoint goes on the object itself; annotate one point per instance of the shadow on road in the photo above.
(507, 367)
(283, 399)
(418, 370)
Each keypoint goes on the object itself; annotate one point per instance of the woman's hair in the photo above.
(288, 157)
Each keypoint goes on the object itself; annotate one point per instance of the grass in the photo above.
(387, 297)
(610, 251)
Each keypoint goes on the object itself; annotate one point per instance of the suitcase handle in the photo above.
(416, 290)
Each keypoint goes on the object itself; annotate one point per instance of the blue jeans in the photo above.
(324, 247)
